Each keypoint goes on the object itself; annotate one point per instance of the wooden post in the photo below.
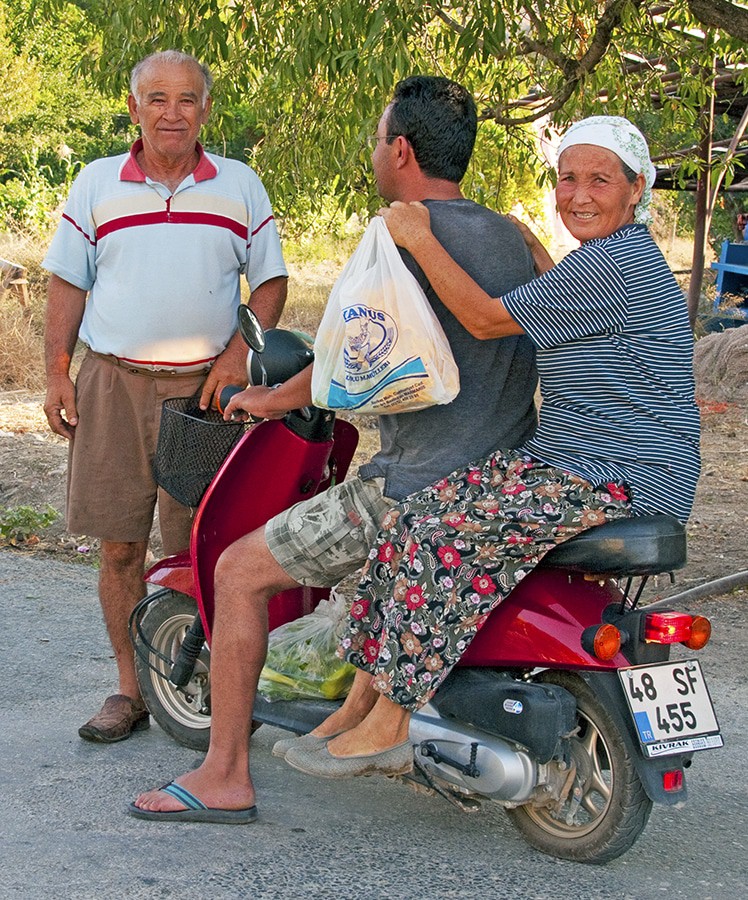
(703, 195)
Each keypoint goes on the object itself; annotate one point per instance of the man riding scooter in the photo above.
(421, 150)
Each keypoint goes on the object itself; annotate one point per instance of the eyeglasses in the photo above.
(374, 139)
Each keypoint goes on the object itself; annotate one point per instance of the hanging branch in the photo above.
(729, 156)
(573, 70)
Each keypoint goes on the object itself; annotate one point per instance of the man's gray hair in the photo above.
(173, 57)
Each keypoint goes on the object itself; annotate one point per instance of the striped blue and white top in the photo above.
(615, 360)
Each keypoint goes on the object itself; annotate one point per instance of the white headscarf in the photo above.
(621, 137)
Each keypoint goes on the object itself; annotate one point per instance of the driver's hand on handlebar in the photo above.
(258, 401)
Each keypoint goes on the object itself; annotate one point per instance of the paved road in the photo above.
(64, 832)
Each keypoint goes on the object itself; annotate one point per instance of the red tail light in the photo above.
(667, 628)
(677, 628)
(672, 781)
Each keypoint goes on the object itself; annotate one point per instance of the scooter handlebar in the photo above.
(226, 394)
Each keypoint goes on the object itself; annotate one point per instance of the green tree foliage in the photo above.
(51, 120)
(301, 83)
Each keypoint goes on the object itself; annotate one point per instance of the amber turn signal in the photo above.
(602, 641)
(701, 631)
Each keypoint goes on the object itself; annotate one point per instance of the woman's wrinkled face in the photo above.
(593, 195)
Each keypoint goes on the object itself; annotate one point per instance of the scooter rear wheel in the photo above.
(606, 808)
(183, 713)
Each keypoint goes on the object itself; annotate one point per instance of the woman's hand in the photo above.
(540, 256)
(408, 223)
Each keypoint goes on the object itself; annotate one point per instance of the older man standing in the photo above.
(145, 269)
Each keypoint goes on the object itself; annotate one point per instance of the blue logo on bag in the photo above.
(371, 335)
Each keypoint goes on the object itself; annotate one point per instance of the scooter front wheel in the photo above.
(182, 712)
(604, 808)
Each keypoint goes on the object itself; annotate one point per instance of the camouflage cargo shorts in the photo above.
(320, 541)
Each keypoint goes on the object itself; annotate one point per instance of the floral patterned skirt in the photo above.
(448, 555)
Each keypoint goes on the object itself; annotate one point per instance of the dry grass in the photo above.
(22, 327)
(308, 289)
(313, 267)
(21, 345)
(678, 251)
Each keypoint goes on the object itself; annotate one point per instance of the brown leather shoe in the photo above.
(116, 720)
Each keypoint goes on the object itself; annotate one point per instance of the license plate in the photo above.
(671, 708)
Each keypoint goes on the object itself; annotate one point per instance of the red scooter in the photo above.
(565, 709)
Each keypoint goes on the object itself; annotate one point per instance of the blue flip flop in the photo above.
(196, 810)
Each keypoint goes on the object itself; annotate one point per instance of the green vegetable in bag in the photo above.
(302, 660)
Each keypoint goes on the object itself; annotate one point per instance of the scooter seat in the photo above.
(641, 545)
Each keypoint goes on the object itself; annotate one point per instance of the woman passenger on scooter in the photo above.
(618, 436)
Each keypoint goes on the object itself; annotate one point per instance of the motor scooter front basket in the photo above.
(192, 445)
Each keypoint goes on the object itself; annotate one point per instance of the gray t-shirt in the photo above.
(494, 408)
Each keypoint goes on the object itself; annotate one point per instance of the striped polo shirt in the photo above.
(163, 269)
(615, 360)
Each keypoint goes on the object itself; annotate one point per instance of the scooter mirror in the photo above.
(250, 328)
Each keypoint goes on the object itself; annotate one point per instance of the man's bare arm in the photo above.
(65, 306)
(267, 301)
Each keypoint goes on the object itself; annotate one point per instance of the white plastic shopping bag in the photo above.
(380, 348)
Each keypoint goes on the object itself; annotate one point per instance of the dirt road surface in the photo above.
(65, 833)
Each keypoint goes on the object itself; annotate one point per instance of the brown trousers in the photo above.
(111, 491)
